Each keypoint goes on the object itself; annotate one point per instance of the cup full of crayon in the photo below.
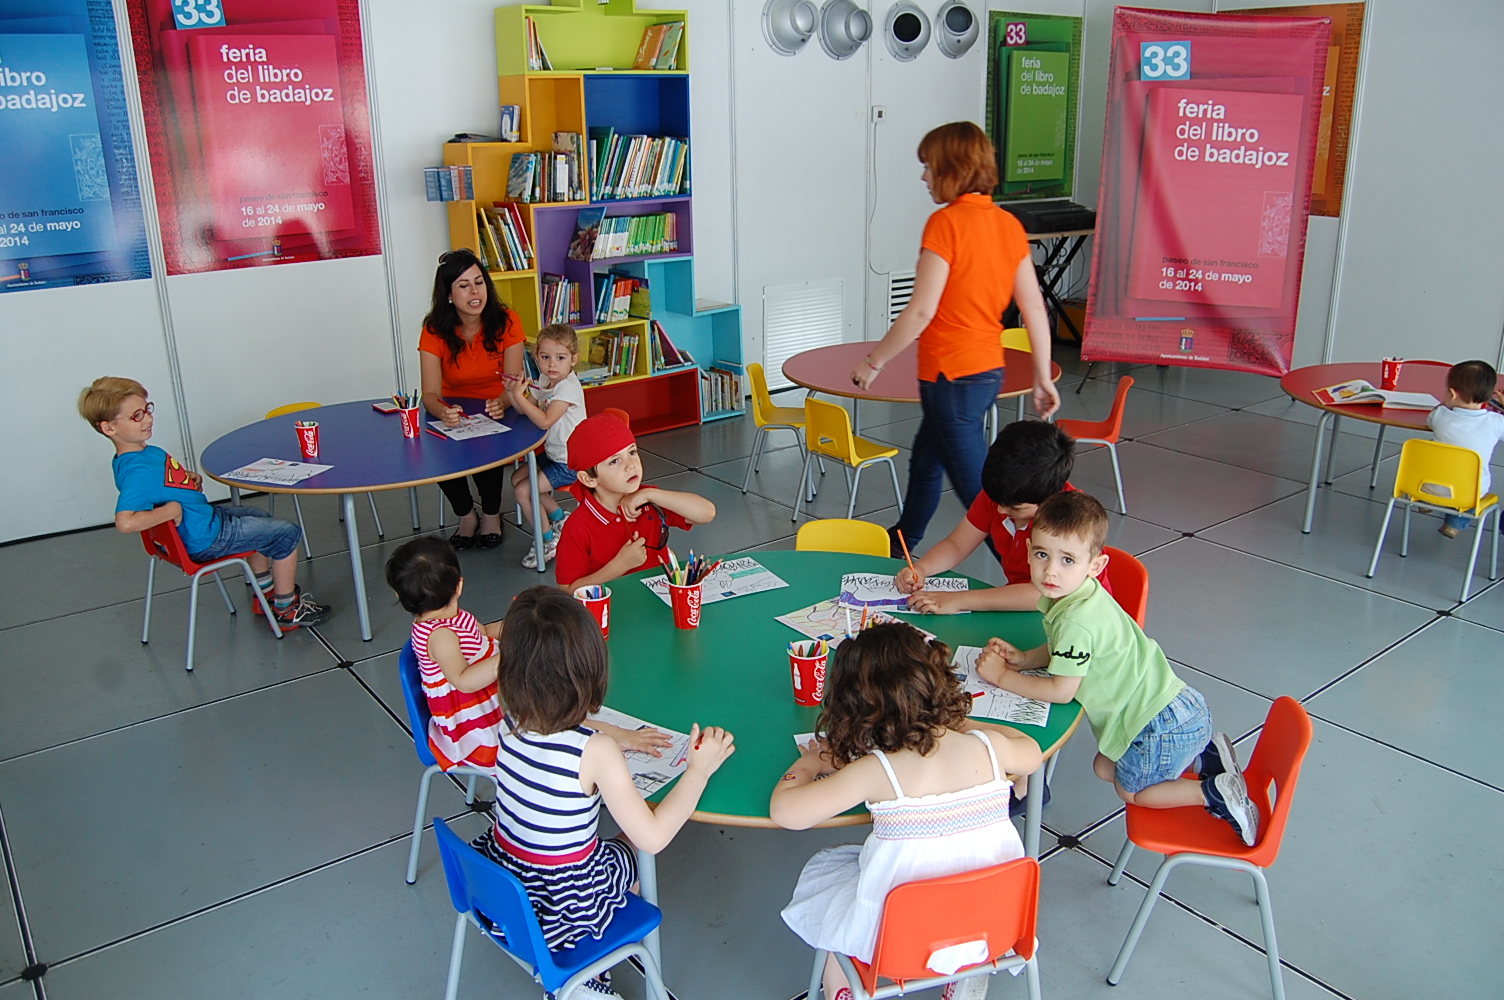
(807, 662)
(685, 586)
(407, 408)
(597, 601)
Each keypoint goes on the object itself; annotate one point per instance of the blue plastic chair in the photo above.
(490, 897)
(417, 717)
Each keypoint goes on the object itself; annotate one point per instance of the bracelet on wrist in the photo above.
(872, 365)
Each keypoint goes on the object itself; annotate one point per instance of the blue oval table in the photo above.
(369, 453)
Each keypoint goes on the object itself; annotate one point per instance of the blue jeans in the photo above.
(1459, 521)
(250, 529)
(950, 442)
(1166, 746)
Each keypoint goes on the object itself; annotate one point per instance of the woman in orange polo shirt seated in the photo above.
(974, 259)
(471, 345)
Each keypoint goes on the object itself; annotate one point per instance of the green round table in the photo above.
(733, 671)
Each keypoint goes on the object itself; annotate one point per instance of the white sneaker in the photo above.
(530, 559)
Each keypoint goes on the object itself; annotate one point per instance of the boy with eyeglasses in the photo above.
(154, 488)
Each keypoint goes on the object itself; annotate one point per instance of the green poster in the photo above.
(1038, 102)
(1028, 127)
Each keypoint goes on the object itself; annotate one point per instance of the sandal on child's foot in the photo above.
(1447, 530)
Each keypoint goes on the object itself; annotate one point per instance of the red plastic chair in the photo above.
(1129, 580)
(1105, 433)
(1194, 836)
(619, 414)
(997, 907)
(163, 542)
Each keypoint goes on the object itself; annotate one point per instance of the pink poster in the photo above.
(1206, 181)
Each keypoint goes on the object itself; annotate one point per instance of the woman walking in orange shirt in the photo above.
(471, 345)
(973, 260)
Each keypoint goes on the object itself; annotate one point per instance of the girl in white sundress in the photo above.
(897, 738)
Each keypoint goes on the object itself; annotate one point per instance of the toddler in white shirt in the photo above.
(1464, 419)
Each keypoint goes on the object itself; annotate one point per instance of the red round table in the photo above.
(1302, 383)
(828, 370)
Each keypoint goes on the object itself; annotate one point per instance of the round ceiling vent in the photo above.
(843, 28)
(788, 24)
(907, 30)
(956, 28)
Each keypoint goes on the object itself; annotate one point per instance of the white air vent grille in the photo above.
(799, 317)
(900, 290)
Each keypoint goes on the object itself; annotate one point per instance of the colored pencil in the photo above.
(436, 433)
(908, 558)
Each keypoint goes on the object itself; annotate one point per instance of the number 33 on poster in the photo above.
(198, 13)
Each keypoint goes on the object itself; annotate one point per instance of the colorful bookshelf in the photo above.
(591, 47)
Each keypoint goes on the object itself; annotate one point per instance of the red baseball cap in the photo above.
(596, 439)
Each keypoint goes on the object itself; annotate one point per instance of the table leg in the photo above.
(1331, 449)
(412, 500)
(538, 519)
(1034, 812)
(235, 495)
(1321, 423)
(352, 535)
(647, 877)
(856, 416)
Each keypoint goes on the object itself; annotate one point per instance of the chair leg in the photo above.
(1117, 474)
(1378, 449)
(1145, 908)
(1405, 539)
(456, 958)
(1479, 525)
(151, 579)
(1373, 564)
(298, 509)
(1031, 976)
(817, 975)
(752, 460)
(1021, 406)
(260, 597)
(470, 789)
(192, 616)
(412, 853)
(855, 484)
(897, 490)
(375, 516)
(1122, 861)
(229, 604)
(1493, 565)
(803, 485)
(1271, 946)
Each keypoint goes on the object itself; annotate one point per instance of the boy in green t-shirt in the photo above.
(1149, 724)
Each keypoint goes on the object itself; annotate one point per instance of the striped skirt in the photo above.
(572, 901)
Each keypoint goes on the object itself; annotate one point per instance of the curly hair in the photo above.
(890, 689)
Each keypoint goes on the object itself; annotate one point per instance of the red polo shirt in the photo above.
(594, 535)
(1010, 538)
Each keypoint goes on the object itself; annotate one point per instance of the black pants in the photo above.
(489, 483)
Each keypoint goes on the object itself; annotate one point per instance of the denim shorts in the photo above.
(250, 529)
(558, 474)
(1167, 745)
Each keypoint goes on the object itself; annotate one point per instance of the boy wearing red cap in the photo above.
(621, 526)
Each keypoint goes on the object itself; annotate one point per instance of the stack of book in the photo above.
(537, 58)
(561, 299)
(556, 175)
(503, 238)
(616, 351)
(636, 166)
(448, 183)
(600, 238)
(720, 389)
(660, 46)
(619, 297)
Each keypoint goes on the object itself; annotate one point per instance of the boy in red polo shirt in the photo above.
(620, 526)
(1028, 463)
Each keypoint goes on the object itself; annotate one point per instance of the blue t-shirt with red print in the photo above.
(150, 477)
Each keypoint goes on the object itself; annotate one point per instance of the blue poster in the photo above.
(70, 211)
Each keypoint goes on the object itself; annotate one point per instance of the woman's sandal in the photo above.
(460, 541)
(487, 541)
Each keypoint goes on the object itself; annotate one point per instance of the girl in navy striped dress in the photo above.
(552, 774)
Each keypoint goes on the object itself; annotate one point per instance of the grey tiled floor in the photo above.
(240, 832)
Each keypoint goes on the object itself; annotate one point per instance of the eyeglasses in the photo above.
(141, 414)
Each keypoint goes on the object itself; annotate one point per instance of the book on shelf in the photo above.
(1362, 391)
(560, 299)
(632, 236)
(511, 122)
(613, 296)
(503, 239)
(640, 306)
(449, 183)
(549, 176)
(668, 51)
(616, 352)
(635, 166)
(720, 388)
(665, 354)
(647, 51)
(587, 228)
(594, 375)
(537, 56)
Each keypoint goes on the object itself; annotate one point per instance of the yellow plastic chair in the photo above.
(769, 418)
(271, 498)
(827, 429)
(1015, 338)
(1447, 476)
(837, 534)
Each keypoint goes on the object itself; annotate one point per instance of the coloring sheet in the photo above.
(831, 620)
(732, 578)
(649, 773)
(476, 425)
(992, 702)
(277, 472)
(878, 591)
